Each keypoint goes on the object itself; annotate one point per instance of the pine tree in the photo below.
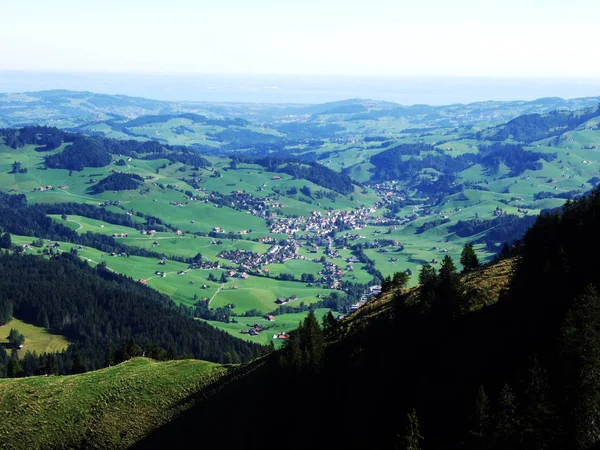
(505, 419)
(468, 258)
(505, 252)
(109, 355)
(411, 438)
(329, 323)
(386, 284)
(171, 352)
(14, 369)
(50, 367)
(580, 347)
(447, 294)
(312, 341)
(5, 241)
(15, 338)
(292, 354)
(400, 280)
(480, 427)
(428, 280)
(538, 425)
(78, 366)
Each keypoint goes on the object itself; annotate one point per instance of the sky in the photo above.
(487, 38)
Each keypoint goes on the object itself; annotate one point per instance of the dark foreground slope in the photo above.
(501, 358)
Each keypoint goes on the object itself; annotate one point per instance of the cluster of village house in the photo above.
(250, 260)
(50, 187)
(323, 223)
(373, 291)
(255, 329)
(240, 199)
(389, 191)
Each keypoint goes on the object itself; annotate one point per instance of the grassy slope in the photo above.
(37, 339)
(109, 408)
(487, 283)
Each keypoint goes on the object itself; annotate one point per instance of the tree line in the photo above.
(94, 308)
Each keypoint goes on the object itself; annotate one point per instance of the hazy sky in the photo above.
(372, 37)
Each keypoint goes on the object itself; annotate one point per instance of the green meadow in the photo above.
(112, 407)
(37, 339)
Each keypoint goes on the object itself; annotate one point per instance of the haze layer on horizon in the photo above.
(509, 38)
(303, 89)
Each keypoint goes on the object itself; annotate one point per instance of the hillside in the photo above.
(502, 357)
(535, 127)
(337, 204)
(110, 408)
(498, 357)
(105, 316)
(37, 339)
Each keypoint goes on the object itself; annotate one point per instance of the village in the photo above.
(323, 223)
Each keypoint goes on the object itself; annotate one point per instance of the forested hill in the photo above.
(108, 317)
(81, 151)
(501, 357)
(533, 127)
(392, 164)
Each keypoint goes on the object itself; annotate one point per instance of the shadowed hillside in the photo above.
(500, 357)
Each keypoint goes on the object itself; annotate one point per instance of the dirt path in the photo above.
(80, 196)
(215, 294)
(78, 223)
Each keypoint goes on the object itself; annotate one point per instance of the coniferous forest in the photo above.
(109, 318)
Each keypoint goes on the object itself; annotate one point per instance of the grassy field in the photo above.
(110, 408)
(260, 293)
(253, 293)
(576, 162)
(37, 339)
(282, 323)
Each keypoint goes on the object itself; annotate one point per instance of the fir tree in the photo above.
(5, 241)
(505, 419)
(428, 280)
(14, 369)
(78, 366)
(580, 344)
(400, 280)
(538, 425)
(109, 355)
(447, 293)
(50, 367)
(329, 323)
(312, 341)
(386, 284)
(292, 355)
(468, 258)
(411, 438)
(480, 427)
(15, 338)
